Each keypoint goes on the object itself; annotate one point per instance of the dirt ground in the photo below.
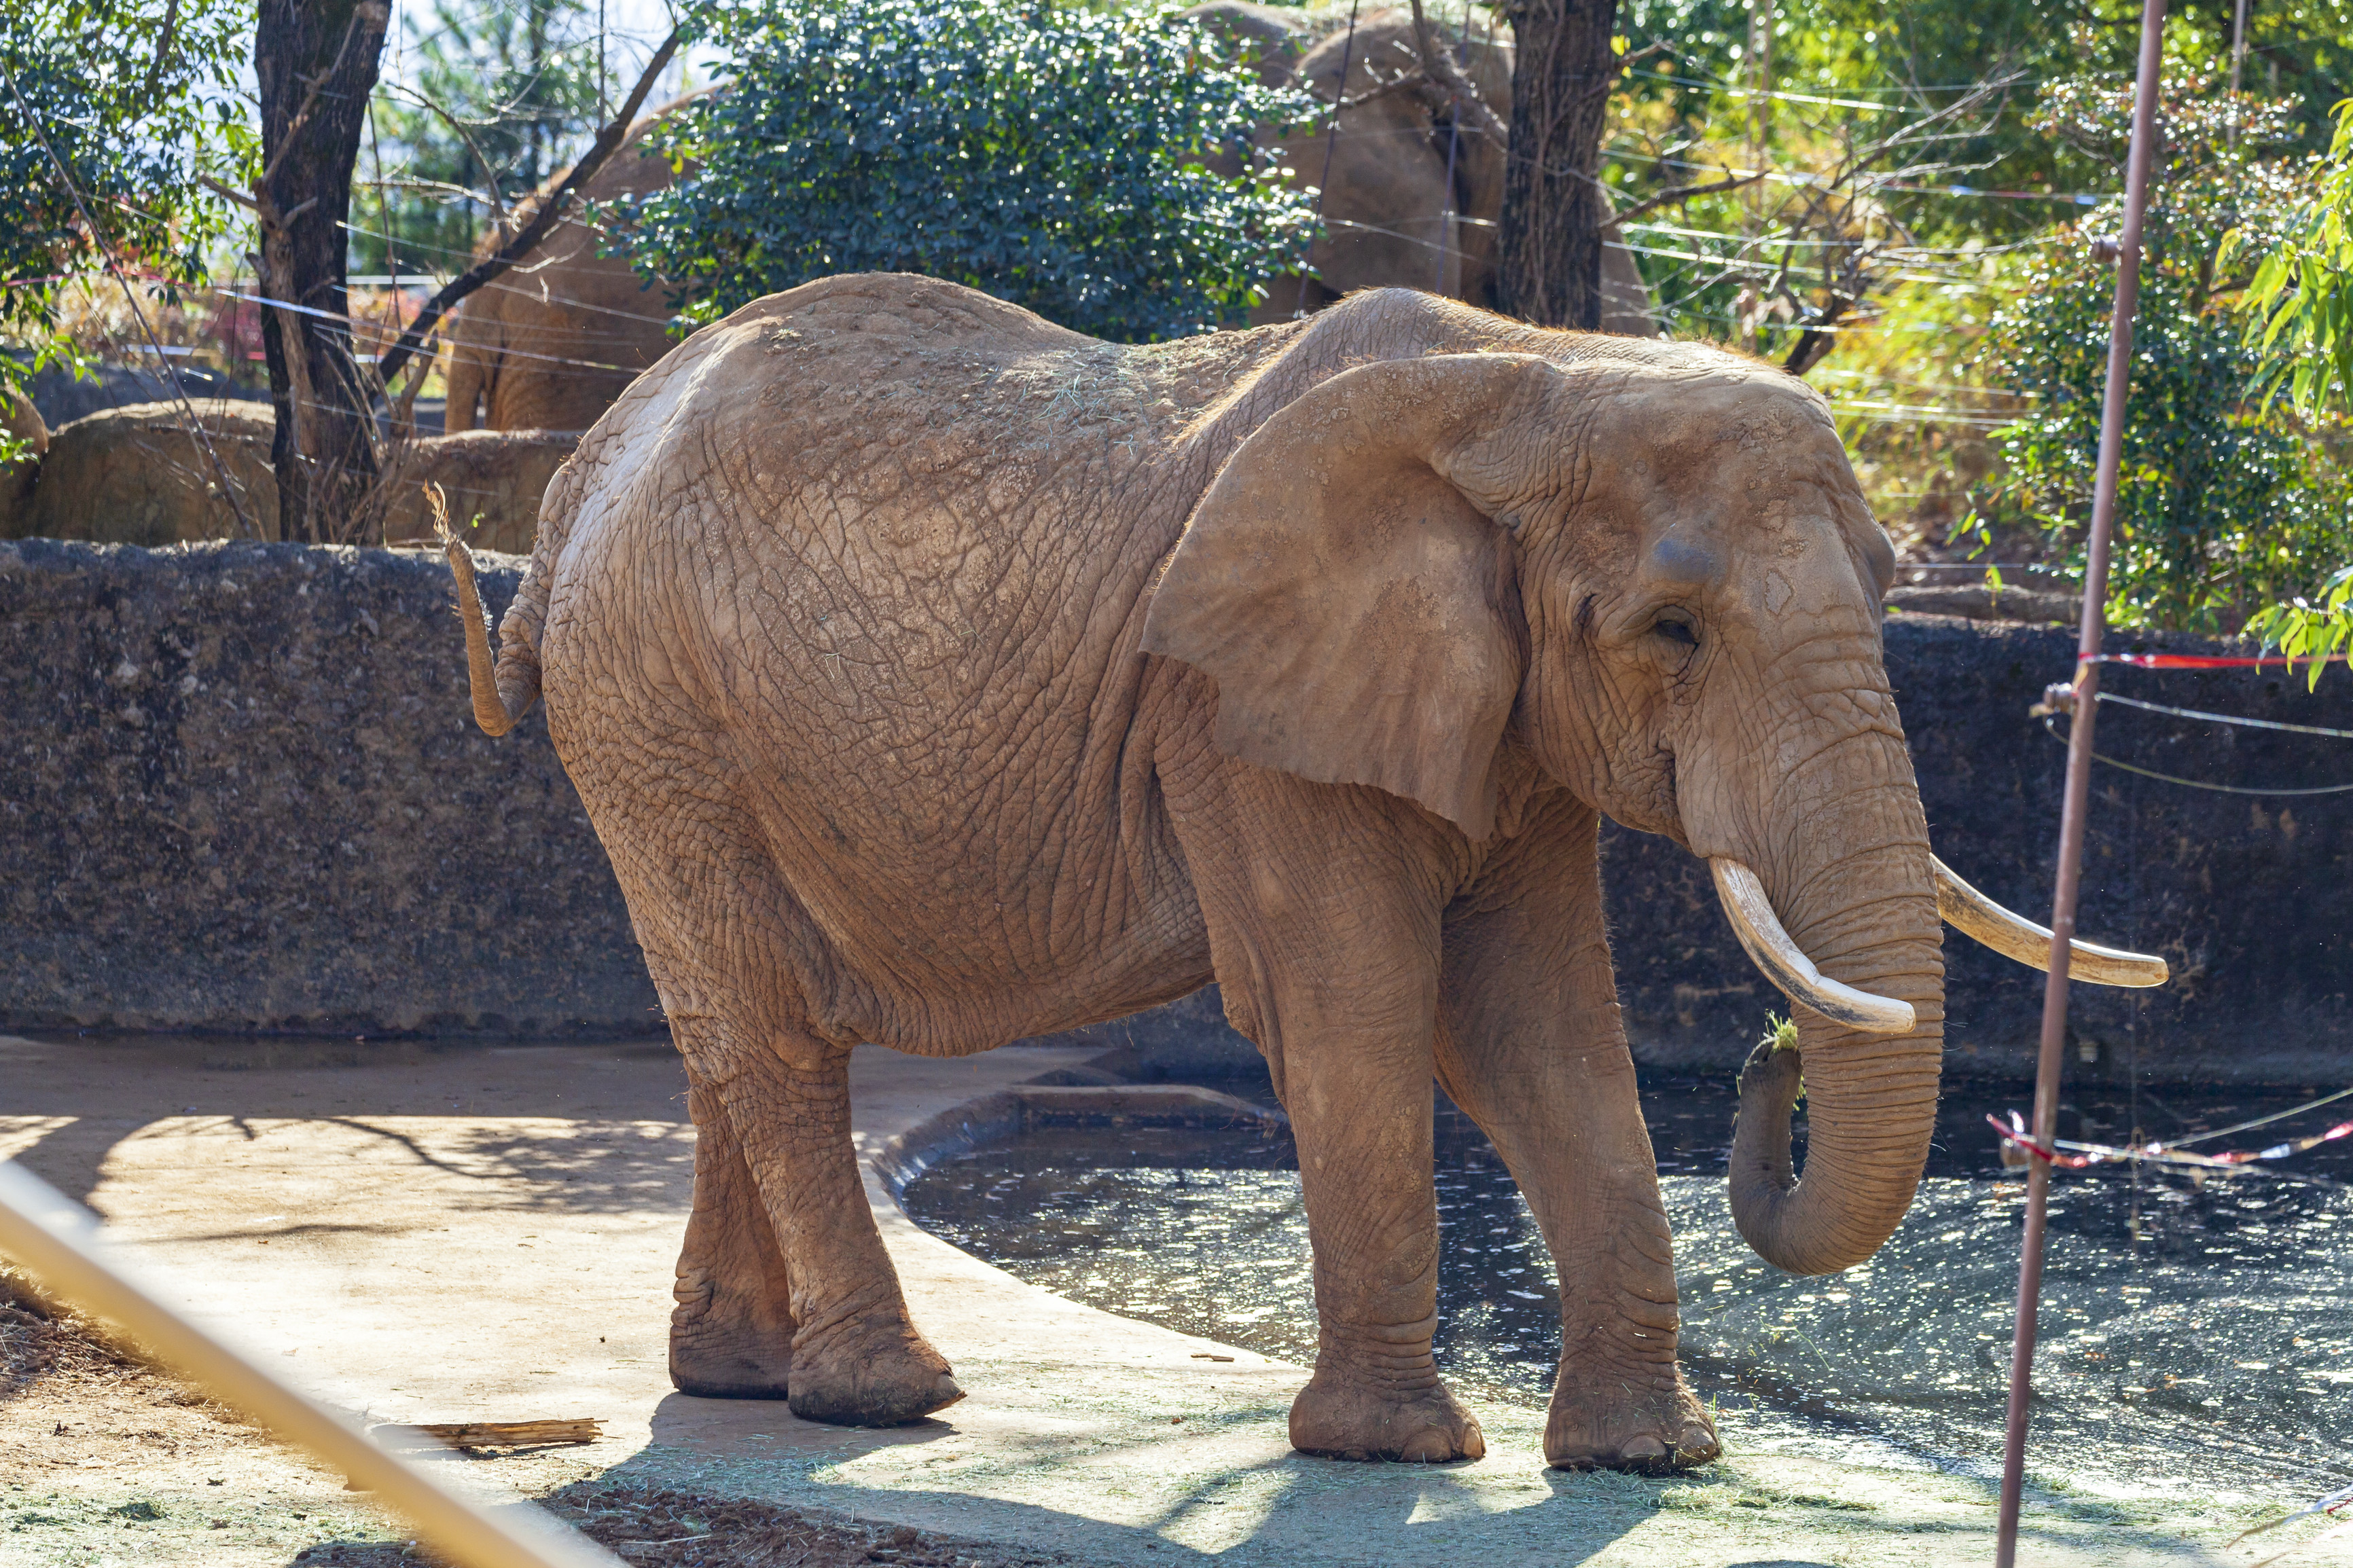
(106, 1461)
(491, 1236)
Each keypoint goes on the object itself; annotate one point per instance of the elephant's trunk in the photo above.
(1853, 887)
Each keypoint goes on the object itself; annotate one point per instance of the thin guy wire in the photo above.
(2198, 784)
(2226, 718)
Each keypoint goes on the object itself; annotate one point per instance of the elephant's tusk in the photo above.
(2014, 936)
(1786, 964)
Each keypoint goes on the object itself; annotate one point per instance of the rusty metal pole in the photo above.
(2079, 776)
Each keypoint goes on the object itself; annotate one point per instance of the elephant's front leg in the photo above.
(1531, 1046)
(1356, 1080)
(1323, 930)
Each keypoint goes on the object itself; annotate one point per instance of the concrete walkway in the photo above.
(435, 1235)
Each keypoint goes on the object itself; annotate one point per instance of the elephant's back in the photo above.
(906, 501)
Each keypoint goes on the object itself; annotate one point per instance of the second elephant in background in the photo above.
(551, 345)
(1413, 200)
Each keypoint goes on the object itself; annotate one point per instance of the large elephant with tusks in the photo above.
(936, 677)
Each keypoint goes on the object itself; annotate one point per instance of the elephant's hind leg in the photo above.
(857, 1360)
(782, 1241)
(731, 1334)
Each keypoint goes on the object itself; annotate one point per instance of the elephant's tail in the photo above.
(503, 695)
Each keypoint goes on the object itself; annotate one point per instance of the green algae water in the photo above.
(2196, 1334)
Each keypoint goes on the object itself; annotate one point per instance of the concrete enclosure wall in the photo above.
(242, 791)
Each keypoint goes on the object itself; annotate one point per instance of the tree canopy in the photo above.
(2224, 505)
(113, 113)
(492, 100)
(1053, 157)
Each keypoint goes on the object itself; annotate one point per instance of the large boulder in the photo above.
(139, 476)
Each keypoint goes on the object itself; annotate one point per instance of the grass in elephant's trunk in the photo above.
(2196, 1335)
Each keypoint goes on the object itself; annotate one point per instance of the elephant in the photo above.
(936, 678)
(1409, 198)
(551, 345)
(134, 476)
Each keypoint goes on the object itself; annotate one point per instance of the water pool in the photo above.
(2196, 1334)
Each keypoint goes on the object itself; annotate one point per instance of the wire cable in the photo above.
(2050, 727)
(2227, 719)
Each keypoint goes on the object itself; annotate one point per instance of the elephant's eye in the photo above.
(1676, 629)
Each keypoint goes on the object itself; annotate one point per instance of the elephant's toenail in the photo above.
(1426, 1447)
(1644, 1450)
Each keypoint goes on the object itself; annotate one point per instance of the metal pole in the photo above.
(2079, 776)
(58, 1240)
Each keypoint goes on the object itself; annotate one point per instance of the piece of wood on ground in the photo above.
(503, 1434)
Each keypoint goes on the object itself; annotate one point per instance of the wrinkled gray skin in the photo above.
(936, 677)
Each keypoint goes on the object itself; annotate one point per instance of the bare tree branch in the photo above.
(1445, 73)
(1679, 193)
(465, 134)
(550, 211)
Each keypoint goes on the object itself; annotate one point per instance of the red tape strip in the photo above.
(2200, 661)
(2103, 1153)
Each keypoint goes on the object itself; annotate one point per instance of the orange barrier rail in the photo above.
(61, 1243)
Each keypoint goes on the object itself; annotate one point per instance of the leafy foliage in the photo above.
(2302, 296)
(1051, 157)
(2224, 504)
(520, 81)
(134, 99)
(2300, 307)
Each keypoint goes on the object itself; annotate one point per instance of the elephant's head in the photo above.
(1652, 568)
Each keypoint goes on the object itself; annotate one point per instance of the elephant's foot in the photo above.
(1599, 1424)
(1344, 1418)
(713, 1355)
(870, 1368)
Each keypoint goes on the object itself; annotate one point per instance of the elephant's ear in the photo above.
(1356, 608)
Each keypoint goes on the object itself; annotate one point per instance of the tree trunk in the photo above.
(316, 63)
(1554, 208)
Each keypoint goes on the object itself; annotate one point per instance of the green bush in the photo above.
(1052, 157)
(2226, 502)
(2299, 311)
(135, 100)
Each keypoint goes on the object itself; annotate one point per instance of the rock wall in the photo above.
(240, 790)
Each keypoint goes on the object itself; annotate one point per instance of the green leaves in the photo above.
(1051, 157)
(2299, 305)
(135, 99)
(2298, 314)
(2225, 502)
(2319, 629)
